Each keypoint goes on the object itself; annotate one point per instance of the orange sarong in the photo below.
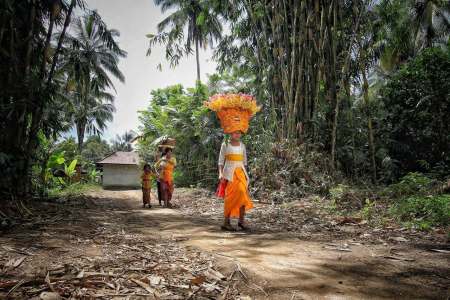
(146, 186)
(236, 194)
(146, 196)
(167, 182)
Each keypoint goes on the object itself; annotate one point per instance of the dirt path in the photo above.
(111, 232)
(282, 266)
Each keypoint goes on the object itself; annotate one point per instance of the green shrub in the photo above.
(412, 183)
(338, 192)
(424, 210)
(73, 190)
(415, 126)
(368, 211)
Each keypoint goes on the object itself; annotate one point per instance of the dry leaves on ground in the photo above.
(97, 257)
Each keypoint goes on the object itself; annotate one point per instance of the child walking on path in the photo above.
(147, 177)
(234, 112)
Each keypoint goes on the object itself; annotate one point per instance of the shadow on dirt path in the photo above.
(109, 231)
(282, 266)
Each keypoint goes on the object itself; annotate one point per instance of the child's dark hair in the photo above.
(167, 150)
(146, 166)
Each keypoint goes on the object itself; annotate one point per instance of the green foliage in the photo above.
(123, 142)
(95, 149)
(338, 192)
(69, 170)
(368, 210)
(56, 159)
(284, 171)
(412, 183)
(350, 198)
(417, 102)
(197, 18)
(91, 58)
(94, 176)
(179, 113)
(416, 204)
(74, 190)
(67, 146)
(424, 211)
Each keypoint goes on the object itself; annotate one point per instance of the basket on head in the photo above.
(233, 110)
(167, 143)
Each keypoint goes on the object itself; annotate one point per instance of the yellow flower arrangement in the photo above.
(234, 110)
(238, 101)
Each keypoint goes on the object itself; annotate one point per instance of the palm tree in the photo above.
(406, 27)
(203, 28)
(432, 22)
(124, 142)
(91, 108)
(92, 53)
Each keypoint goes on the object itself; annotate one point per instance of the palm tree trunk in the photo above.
(47, 40)
(60, 41)
(197, 58)
(81, 128)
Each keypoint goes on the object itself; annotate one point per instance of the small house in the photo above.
(121, 170)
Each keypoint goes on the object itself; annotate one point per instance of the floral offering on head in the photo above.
(233, 110)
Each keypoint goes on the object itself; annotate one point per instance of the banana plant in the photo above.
(93, 175)
(69, 170)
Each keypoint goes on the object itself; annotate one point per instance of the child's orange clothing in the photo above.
(147, 177)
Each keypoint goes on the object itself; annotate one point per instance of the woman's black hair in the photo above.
(167, 150)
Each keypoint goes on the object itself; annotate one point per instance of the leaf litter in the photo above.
(101, 259)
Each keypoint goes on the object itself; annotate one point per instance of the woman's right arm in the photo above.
(221, 160)
(221, 172)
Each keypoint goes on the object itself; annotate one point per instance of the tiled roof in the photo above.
(121, 158)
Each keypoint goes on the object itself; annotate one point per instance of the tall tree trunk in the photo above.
(369, 123)
(352, 125)
(334, 99)
(81, 129)
(39, 105)
(197, 58)
(48, 39)
(23, 165)
(60, 41)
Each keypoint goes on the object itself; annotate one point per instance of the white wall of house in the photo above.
(121, 176)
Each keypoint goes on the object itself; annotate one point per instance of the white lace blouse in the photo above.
(229, 165)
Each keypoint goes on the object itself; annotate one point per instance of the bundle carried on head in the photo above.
(167, 142)
(233, 110)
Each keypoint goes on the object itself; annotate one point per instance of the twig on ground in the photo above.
(337, 249)
(48, 282)
(227, 289)
(396, 258)
(21, 282)
(195, 292)
(238, 265)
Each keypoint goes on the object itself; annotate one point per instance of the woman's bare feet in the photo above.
(242, 226)
(227, 227)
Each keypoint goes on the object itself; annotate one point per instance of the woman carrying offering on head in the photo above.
(234, 112)
(165, 167)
